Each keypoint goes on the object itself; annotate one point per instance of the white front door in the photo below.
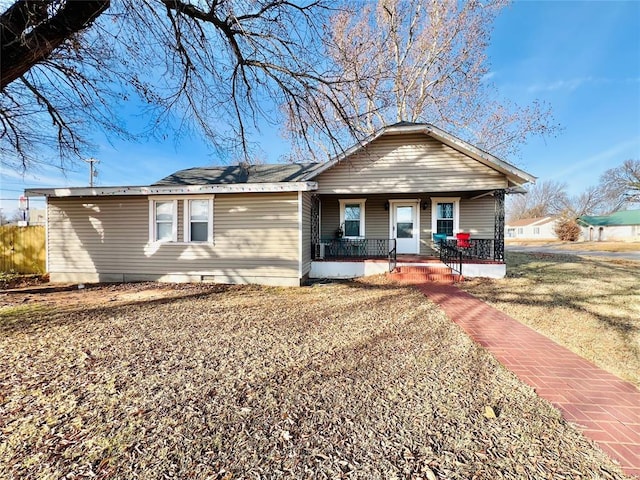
(405, 226)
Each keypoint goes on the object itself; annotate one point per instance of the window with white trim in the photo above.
(197, 215)
(199, 220)
(445, 215)
(352, 217)
(536, 230)
(165, 214)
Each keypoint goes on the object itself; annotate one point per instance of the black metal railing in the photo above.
(393, 257)
(479, 248)
(354, 248)
(451, 256)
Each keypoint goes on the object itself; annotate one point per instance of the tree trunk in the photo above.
(21, 51)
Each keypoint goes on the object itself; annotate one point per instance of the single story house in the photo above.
(541, 228)
(365, 211)
(618, 226)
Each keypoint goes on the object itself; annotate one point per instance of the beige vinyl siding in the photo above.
(376, 218)
(408, 164)
(426, 242)
(330, 216)
(306, 233)
(95, 235)
(255, 237)
(477, 216)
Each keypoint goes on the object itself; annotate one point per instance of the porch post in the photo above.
(498, 247)
(315, 226)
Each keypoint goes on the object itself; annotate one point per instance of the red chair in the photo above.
(464, 240)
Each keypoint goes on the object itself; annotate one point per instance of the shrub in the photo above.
(567, 230)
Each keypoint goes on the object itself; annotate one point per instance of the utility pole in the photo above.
(92, 172)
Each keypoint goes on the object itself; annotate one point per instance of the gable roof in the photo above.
(514, 174)
(625, 217)
(234, 174)
(527, 222)
(282, 177)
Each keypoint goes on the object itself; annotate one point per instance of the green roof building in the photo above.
(618, 226)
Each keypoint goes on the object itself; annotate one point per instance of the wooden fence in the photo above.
(22, 249)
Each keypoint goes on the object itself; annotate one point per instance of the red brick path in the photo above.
(606, 408)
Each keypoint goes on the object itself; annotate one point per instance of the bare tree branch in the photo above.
(35, 36)
(621, 184)
(425, 61)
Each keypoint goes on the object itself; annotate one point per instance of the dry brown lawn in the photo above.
(602, 246)
(590, 305)
(580, 246)
(353, 380)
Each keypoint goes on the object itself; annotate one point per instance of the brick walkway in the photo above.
(606, 408)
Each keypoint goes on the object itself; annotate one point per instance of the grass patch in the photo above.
(590, 305)
(579, 246)
(351, 380)
(602, 246)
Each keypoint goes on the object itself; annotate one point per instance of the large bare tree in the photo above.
(619, 188)
(425, 61)
(217, 66)
(622, 184)
(546, 197)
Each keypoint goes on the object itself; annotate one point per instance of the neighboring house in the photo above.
(357, 214)
(618, 226)
(37, 216)
(541, 228)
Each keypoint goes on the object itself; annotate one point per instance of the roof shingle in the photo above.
(626, 217)
(233, 174)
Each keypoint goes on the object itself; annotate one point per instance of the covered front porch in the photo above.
(347, 265)
(365, 235)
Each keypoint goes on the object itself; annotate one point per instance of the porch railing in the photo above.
(479, 248)
(332, 248)
(393, 258)
(451, 257)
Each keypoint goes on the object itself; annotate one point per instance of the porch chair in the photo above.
(439, 239)
(463, 240)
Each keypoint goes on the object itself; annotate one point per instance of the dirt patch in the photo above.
(11, 280)
(75, 296)
(351, 380)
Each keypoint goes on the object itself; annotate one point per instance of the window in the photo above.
(445, 218)
(511, 232)
(520, 231)
(445, 215)
(164, 215)
(536, 230)
(198, 227)
(352, 217)
(195, 212)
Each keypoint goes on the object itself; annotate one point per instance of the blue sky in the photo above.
(581, 57)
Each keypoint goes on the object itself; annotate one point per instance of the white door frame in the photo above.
(414, 202)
